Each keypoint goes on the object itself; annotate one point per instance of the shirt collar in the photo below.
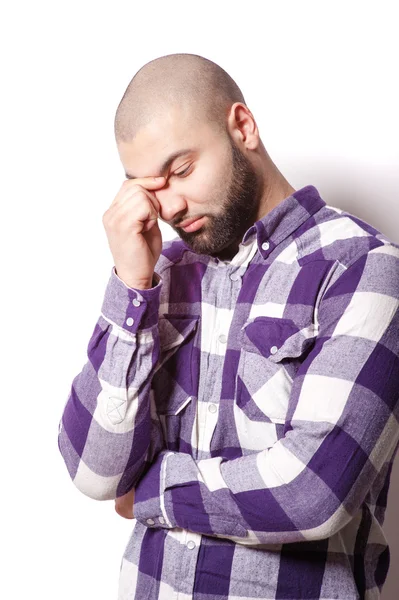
(284, 219)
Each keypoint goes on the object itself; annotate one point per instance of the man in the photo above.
(240, 400)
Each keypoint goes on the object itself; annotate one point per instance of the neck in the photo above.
(273, 194)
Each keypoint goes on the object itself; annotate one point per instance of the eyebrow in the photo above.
(166, 164)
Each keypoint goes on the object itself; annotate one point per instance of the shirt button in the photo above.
(150, 521)
(234, 276)
(212, 408)
(191, 544)
(222, 338)
(129, 321)
(265, 245)
(136, 302)
(161, 520)
(273, 349)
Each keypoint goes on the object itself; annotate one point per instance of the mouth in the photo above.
(192, 224)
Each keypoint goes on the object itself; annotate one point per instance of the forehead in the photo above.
(163, 137)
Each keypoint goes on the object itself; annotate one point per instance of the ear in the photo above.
(242, 126)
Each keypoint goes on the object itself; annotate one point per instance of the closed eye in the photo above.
(183, 172)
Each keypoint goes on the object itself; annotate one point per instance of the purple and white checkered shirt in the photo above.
(253, 405)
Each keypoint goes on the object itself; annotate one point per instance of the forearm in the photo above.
(108, 432)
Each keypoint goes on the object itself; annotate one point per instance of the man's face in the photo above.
(214, 180)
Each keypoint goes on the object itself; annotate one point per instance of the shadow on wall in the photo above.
(390, 590)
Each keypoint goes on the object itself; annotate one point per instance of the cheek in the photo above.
(208, 185)
(201, 187)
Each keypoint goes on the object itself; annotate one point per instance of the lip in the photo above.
(191, 224)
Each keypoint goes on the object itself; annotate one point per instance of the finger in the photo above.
(131, 186)
(150, 183)
(146, 207)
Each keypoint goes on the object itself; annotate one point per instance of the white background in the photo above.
(321, 81)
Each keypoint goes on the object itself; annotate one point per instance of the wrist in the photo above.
(138, 285)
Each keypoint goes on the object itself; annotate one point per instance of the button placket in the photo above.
(188, 564)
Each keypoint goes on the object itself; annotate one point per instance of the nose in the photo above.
(171, 204)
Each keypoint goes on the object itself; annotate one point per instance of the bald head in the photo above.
(196, 87)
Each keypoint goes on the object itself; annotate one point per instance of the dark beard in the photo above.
(221, 235)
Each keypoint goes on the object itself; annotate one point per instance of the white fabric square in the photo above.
(94, 485)
(166, 592)
(289, 466)
(339, 229)
(273, 397)
(358, 319)
(266, 309)
(322, 398)
(289, 255)
(254, 435)
(214, 322)
(128, 580)
(209, 473)
(113, 411)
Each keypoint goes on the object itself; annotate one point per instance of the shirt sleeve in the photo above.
(341, 428)
(109, 431)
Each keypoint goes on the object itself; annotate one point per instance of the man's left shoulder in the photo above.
(342, 237)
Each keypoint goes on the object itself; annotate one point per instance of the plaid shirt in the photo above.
(253, 405)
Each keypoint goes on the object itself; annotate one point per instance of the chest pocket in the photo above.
(175, 380)
(272, 350)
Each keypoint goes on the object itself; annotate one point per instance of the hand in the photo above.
(124, 505)
(134, 237)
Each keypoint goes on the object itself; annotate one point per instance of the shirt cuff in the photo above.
(170, 495)
(149, 507)
(130, 308)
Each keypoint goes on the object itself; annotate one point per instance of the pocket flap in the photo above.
(275, 338)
